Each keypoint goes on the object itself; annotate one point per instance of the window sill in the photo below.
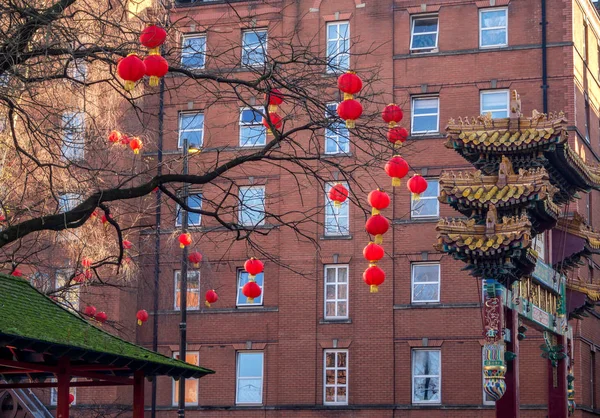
(493, 47)
(336, 155)
(433, 219)
(324, 321)
(238, 309)
(335, 237)
(426, 136)
(424, 52)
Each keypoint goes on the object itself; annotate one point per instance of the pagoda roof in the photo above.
(573, 239)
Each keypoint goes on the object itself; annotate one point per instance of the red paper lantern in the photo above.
(374, 277)
(379, 200)
(338, 194)
(397, 168)
(349, 83)
(152, 37)
(71, 398)
(350, 110)
(211, 297)
(276, 121)
(195, 258)
(127, 244)
(397, 136)
(86, 262)
(88, 274)
(156, 67)
(253, 266)
(274, 97)
(125, 140)
(90, 310)
(2, 218)
(114, 136)
(17, 273)
(136, 145)
(416, 185)
(392, 114)
(104, 220)
(251, 290)
(185, 239)
(142, 316)
(101, 317)
(79, 278)
(373, 253)
(377, 225)
(131, 69)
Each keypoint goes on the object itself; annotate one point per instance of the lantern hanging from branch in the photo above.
(254, 267)
(156, 67)
(185, 239)
(90, 311)
(142, 316)
(17, 273)
(276, 121)
(79, 278)
(350, 84)
(274, 98)
(374, 277)
(131, 69)
(125, 140)
(153, 37)
(392, 114)
(373, 253)
(114, 137)
(397, 168)
(349, 110)
(251, 290)
(377, 225)
(101, 317)
(195, 258)
(416, 185)
(338, 194)
(210, 297)
(86, 262)
(379, 200)
(126, 244)
(136, 145)
(397, 136)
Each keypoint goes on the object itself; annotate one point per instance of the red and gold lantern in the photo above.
(377, 225)
(71, 398)
(416, 185)
(373, 253)
(86, 262)
(276, 121)
(90, 311)
(156, 67)
(114, 137)
(350, 84)
(153, 37)
(251, 290)
(374, 277)
(136, 145)
(397, 136)
(338, 194)
(253, 266)
(392, 114)
(379, 200)
(101, 317)
(17, 273)
(79, 278)
(350, 110)
(131, 69)
(142, 316)
(210, 297)
(397, 168)
(125, 140)
(195, 258)
(127, 244)
(274, 97)
(185, 239)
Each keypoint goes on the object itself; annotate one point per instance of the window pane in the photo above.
(249, 377)
(426, 363)
(493, 37)
(251, 364)
(426, 389)
(432, 189)
(193, 290)
(242, 280)
(254, 44)
(194, 202)
(425, 292)
(253, 136)
(341, 359)
(425, 25)
(191, 127)
(337, 219)
(425, 106)
(493, 19)
(426, 272)
(193, 52)
(336, 134)
(424, 207)
(330, 359)
(342, 291)
(252, 206)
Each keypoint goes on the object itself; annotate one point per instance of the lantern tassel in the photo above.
(129, 85)
(398, 144)
(337, 204)
(196, 265)
(378, 239)
(396, 181)
(350, 124)
(139, 322)
(251, 277)
(348, 96)
(153, 81)
(250, 300)
(416, 197)
(181, 246)
(154, 51)
(391, 124)
(269, 132)
(273, 108)
(207, 304)
(136, 151)
(374, 211)
(372, 263)
(373, 288)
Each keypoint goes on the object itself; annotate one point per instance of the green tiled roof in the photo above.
(28, 315)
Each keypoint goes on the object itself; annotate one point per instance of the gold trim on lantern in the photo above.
(378, 239)
(273, 108)
(129, 85)
(154, 51)
(396, 181)
(374, 211)
(153, 81)
(348, 96)
(249, 300)
(140, 322)
(350, 124)
(207, 304)
(373, 288)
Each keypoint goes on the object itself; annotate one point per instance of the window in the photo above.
(54, 394)
(194, 201)
(425, 115)
(338, 46)
(585, 42)
(252, 205)
(336, 377)
(70, 294)
(587, 117)
(426, 376)
(252, 131)
(191, 385)
(336, 134)
(493, 28)
(254, 47)
(495, 102)
(249, 377)
(539, 245)
(487, 400)
(425, 282)
(193, 290)
(68, 201)
(337, 218)
(242, 280)
(73, 125)
(191, 126)
(428, 205)
(336, 292)
(77, 69)
(193, 51)
(424, 35)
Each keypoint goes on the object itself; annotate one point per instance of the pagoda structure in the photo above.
(525, 174)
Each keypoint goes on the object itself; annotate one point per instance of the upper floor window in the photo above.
(335, 369)
(191, 126)
(193, 51)
(337, 218)
(425, 278)
(249, 377)
(425, 117)
(254, 47)
(336, 292)
(73, 124)
(70, 294)
(77, 69)
(428, 205)
(193, 290)
(191, 385)
(252, 205)
(68, 201)
(252, 132)
(424, 34)
(242, 279)
(338, 46)
(495, 102)
(337, 139)
(194, 201)
(426, 376)
(493, 28)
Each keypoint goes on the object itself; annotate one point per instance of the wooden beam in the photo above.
(28, 366)
(103, 377)
(35, 385)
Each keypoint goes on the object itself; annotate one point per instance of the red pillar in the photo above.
(509, 404)
(557, 385)
(64, 379)
(138, 395)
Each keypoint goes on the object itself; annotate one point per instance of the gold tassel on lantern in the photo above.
(139, 322)
(396, 181)
(129, 85)
(374, 211)
(153, 81)
(373, 288)
(337, 204)
(154, 51)
(250, 300)
(378, 239)
(350, 124)
(207, 304)
(273, 108)
(416, 197)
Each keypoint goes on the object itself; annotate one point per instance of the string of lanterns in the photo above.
(251, 289)
(135, 143)
(274, 98)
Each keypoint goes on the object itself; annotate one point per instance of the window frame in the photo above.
(413, 376)
(424, 50)
(336, 284)
(243, 124)
(483, 93)
(263, 46)
(481, 28)
(178, 214)
(239, 273)
(330, 133)
(241, 205)
(414, 99)
(74, 149)
(237, 377)
(187, 36)
(175, 383)
(330, 206)
(335, 369)
(414, 202)
(176, 289)
(336, 67)
(412, 282)
(180, 130)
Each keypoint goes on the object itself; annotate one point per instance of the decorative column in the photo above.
(62, 397)
(508, 405)
(494, 367)
(555, 352)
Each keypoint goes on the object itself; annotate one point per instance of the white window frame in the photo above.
(74, 149)
(337, 133)
(68, 201)
(180, 130)
(334, 66)
(252, 125)
(239, 290)
(263, 46)
(336, 285)
(175, 385)
(412, 116)
(413, 376)
(243, 190)
(481, 28)
(191, 53)
(412, 33)
(176, 280)
(486, 401)
(415, 203)
(238, 378)
(189, 201)
(335, 368)
(483, 93)
(329, 206)
(54, 393)
(413, 283)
